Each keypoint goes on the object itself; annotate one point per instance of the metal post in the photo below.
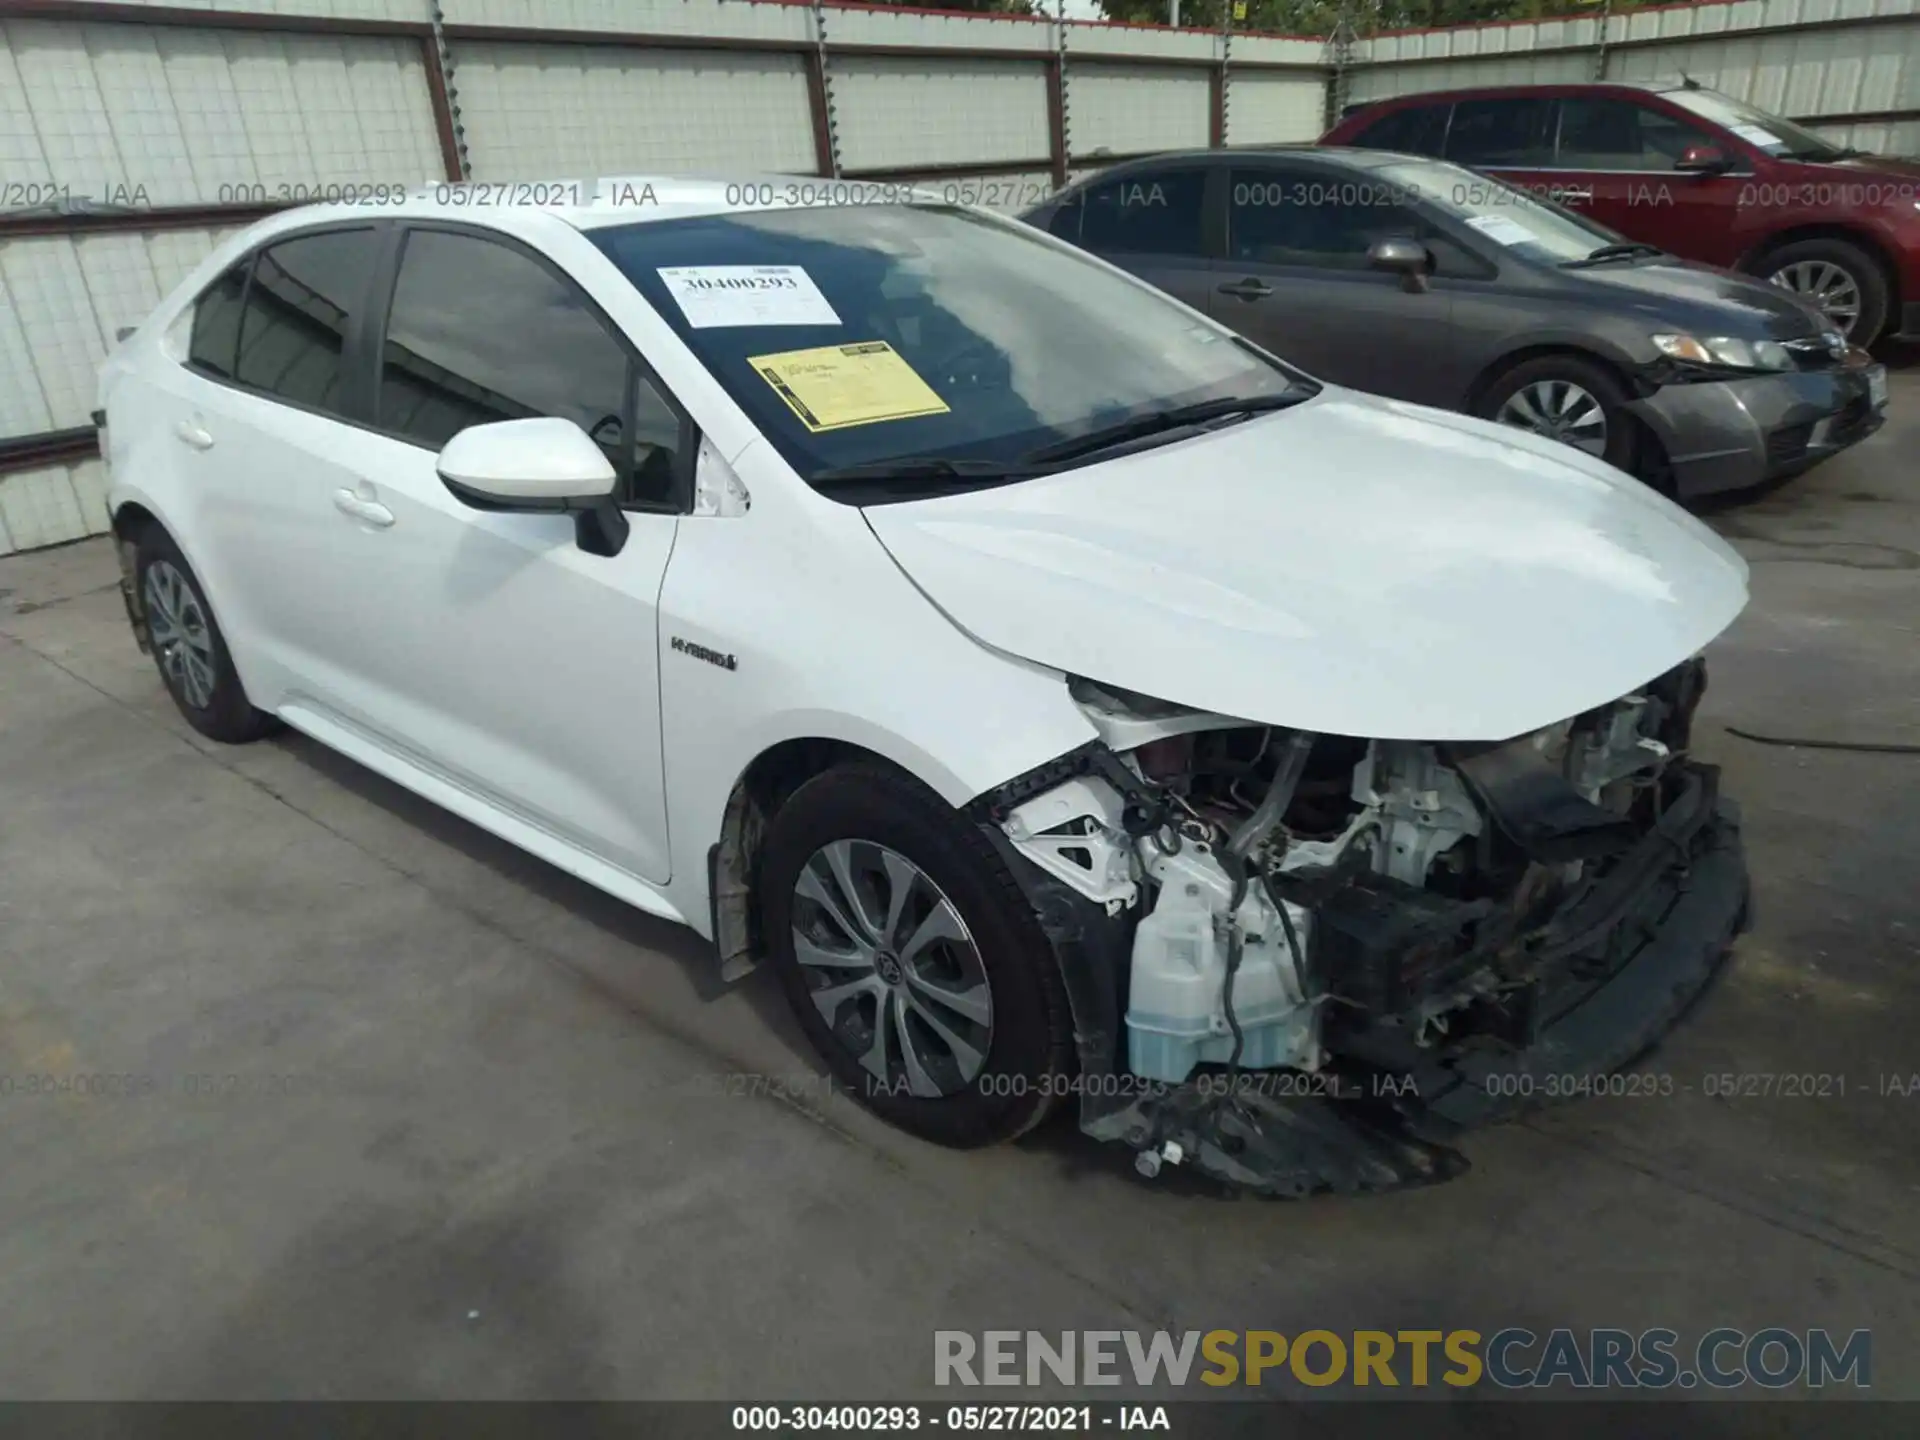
(443, 65)
(826, 125)
(1063, 163)
(1173, 13)
(1600, 49)
(1226, 77)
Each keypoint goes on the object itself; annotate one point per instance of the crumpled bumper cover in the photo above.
(1370, 1126)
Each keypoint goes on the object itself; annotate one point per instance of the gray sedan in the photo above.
(1423, 281)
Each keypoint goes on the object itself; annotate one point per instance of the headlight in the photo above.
(1725, 351)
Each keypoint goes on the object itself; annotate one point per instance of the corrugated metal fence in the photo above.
(134, 135)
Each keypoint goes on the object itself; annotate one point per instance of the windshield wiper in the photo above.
(1178, 418)
(923, 467)
(1624, 251)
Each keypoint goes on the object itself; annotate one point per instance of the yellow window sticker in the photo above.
(836, 386)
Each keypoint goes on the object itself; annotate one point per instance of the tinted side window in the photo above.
(480, 332)
(1306, 217)
(1516, 131)
(216, 322)
(1415, 130)
(1620, 135)
(304, 295)
(1066, 220)
(1155, 212)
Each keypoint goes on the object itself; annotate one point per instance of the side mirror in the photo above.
(543, 465)
(1406, 258)
(1703, 160)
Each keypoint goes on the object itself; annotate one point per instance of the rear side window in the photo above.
(304, 296)
(1515, 131)
(534, 345)
(1153, 212)
(1413, 130)
(216, 322)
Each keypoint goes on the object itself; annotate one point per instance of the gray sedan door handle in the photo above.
(194, 434)
(371, 511)
(1248, 289)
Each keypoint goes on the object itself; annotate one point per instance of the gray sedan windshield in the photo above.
(1532, 228)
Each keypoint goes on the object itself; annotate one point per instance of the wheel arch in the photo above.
(761, 788)
(1855, 235)
(1540, 349)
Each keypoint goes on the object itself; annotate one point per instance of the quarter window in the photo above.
(1157, 212)
(304, 296)
(479, 332)
(216, 322)
(1516, 131)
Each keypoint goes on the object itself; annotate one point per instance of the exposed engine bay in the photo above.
(1320, 941)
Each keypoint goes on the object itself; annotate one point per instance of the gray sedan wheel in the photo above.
(1566, 397)
(1560, 410)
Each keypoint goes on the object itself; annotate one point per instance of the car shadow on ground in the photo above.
(620, 921)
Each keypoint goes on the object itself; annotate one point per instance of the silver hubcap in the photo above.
(178, 622)
(892, 968)
(1559, 410)
(1825, 283)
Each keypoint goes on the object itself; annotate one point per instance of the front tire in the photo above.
(188, 648)
(1576, 401)
(1842, 279)
(912, 959)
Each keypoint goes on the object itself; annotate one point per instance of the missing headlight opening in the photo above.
(1325, 954)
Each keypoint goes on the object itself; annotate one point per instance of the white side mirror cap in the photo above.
(542, 463)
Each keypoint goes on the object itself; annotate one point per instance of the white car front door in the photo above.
(487, 650)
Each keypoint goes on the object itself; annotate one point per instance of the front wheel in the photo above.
(1842, 279)
(1569, 399)
(912, 959)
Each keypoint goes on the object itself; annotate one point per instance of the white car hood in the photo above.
(1353, 566)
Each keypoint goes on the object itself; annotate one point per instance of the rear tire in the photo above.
(963, 1039)
(1567, 398)
(1843, 279)
(188, 648)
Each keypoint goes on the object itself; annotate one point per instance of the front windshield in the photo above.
(1532, 228)
(861, 335)
(1768, 132)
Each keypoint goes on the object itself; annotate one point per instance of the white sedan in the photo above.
(1068, 699)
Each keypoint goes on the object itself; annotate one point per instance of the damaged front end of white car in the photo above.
(1303, 962)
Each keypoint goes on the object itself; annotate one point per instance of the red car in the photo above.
(1695, 172)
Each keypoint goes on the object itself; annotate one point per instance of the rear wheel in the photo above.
(1566, 398)
(912, 959)
(1841, 278)
(188, 648)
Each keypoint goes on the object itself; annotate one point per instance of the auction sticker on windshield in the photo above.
(837, 386)
(1502, 230)
(711, 296)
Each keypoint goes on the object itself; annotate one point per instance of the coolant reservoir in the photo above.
(1176, 1018)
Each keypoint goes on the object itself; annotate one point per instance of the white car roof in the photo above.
(592, 203)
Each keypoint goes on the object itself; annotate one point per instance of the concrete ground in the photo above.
(432, 1119)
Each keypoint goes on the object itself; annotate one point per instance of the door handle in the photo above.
(195, 434)
(371, 511)
(1247, 289)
